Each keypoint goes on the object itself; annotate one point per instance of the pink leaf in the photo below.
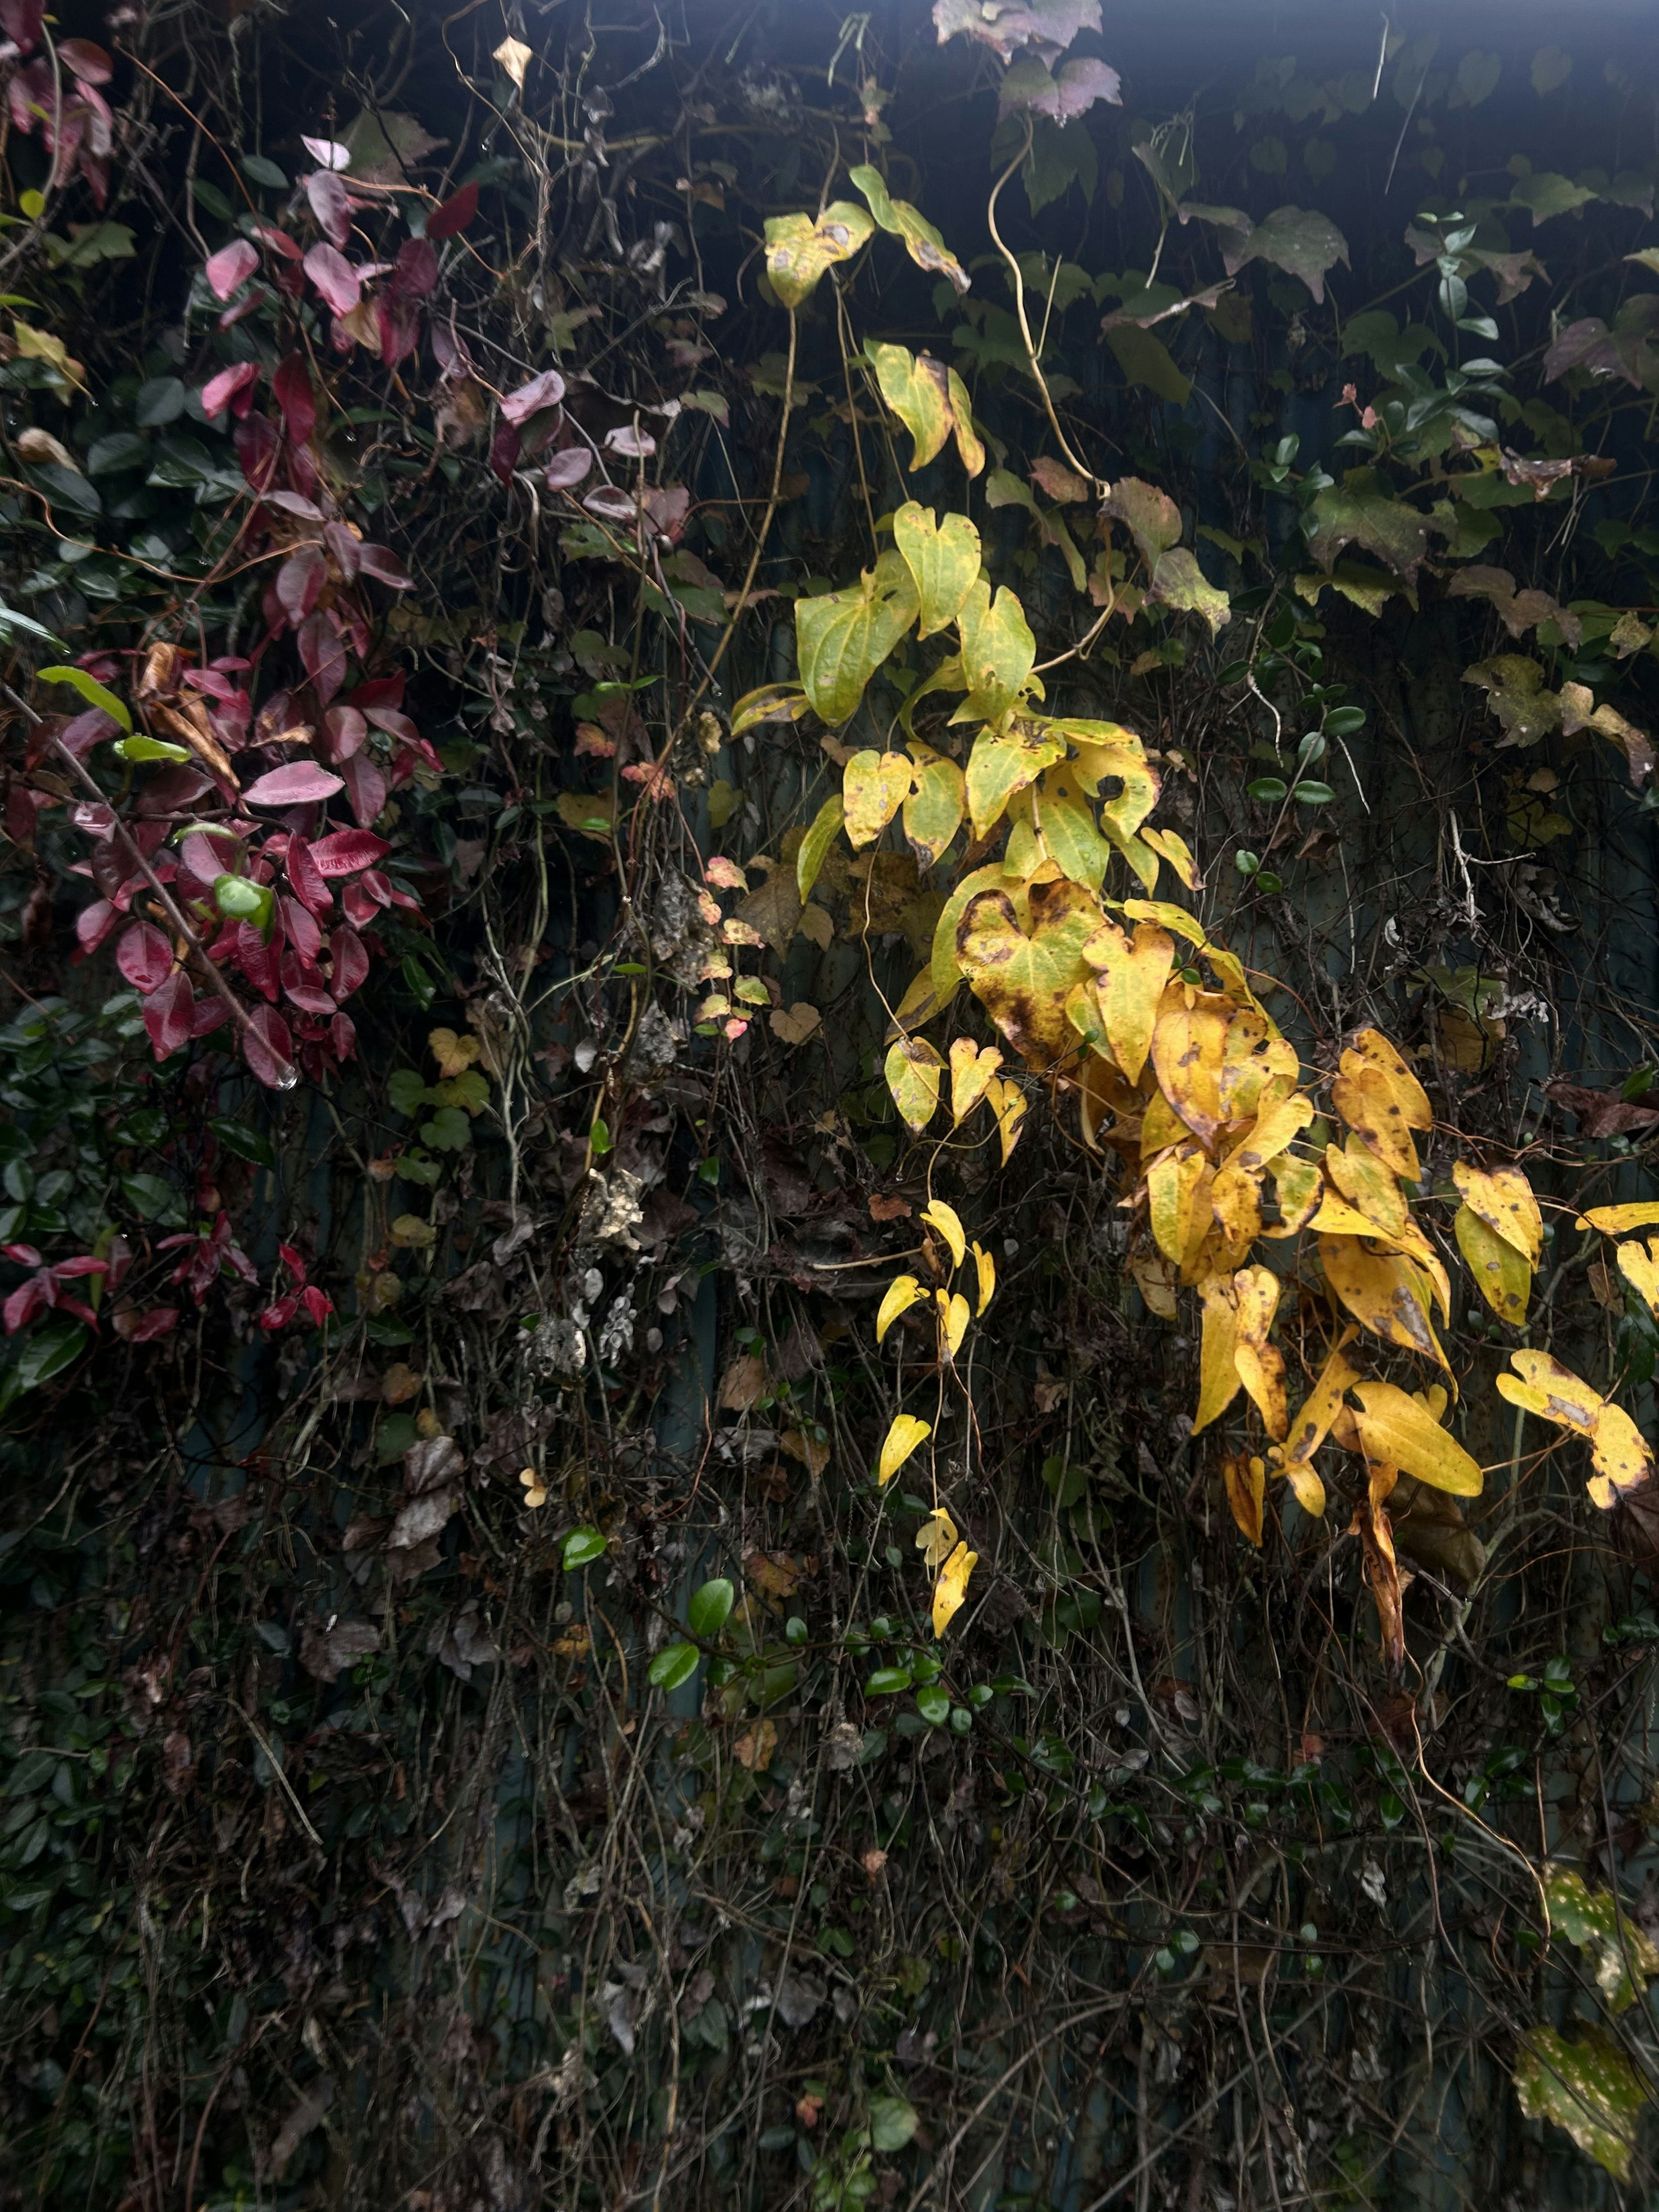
(308, 886)
(292, 384)
(454, 214)
(146, 1328)
(268, 1048)
(631, 442)
(278, 241)
(20, 21)
(347, 733)
(347, 550)
(328, 151)
(365, 788)
(385, 568)
(95, 923)
(346, 851)
(89, 62)
(342, 1036)
(259, 962)
(568, 468)
(350, 960)
(332, 204)
(546, 390)
(292, 786)
(299, 582)
(611, 503)
(145, 956)
(300, 927)
(210, 1013)
(219, 391)
(167, 1012)
(398, 324)
(334, 277)
(230, 267)
(324, 656)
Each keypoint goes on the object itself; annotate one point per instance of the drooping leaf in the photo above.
(800, 250)
(1218, 1376)
(900, 1440)
(1151, 517)
(972, 1067)
(1399, 1430)
(1002, 763)
(1005, 26)
(1616, 1220)
(1173, 1181)
(1618, 1950)
(953, 1319)
(943, 557)
(902, 1293)
(1370, 1104)
(1640, 1269)
(1386, 1292)
(843, 637)
(1299, 241)
(1391, 529)
(1319, 1409)
(950, 1592)
(1189, 1044)
(937, 1538)
(1503, 1200)
(1500, 1274)
(1261, 1364)
(814, 847)
(924, 245)
(938, 1215)
(1021, 976)
(933, 810)
(1620, 1456)
(874, 786)
(1133, 977)
(95, 693)
(998, 651)
(1245, 1479)
(915, 388)
(912, 1069)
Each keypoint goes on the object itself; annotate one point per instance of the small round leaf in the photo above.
(710, 1605)
(581, 1547)
(674, 1664)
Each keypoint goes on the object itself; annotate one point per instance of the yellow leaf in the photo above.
(1373, 1189)
(43, 345)
(1614, 1220)
(874, 786)
(1385, 1292)
(1261, 1364)
(1174, 848)
(1247, 1481)
(998, 651)
(1298, 1186)
(1001, 765)
(937, 1538)
(1161, 1126)
(1641, 1270)
(1008, 1103)
(454, 1055)
(1501, 1275)
(938, 1215)
(953, 1319)
(985, 1268)
(1399, 1431)
(1171, 1188)
(1278, 1125)
(1236, 1201)
(952, 1587)
(1319, 1409)
(901, 1439)
(1219, 1377)
(1373, 1048)
(799, 250)
(1155, 1278)
(943, 557)
(932, 812)
(1620, 1456)
(915, 387)
(912, 1070)
(1131, 990)
(1022, 977)
(1173, 918)
(1309, 1489)
(902, 1293)
(1256, 1062)
(1188, 1043)
(1369, 1102)
(972, 1067)
(1503, 1199)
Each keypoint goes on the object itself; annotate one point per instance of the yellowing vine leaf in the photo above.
(1246, 1481)
(997, 654)
(1174, 848)
(1399, 1431)
(921, 241)
(1217, 1369)
(914, 385)
(874, 786)
(933, 810)
(943, 557)
(1131, 990)
(1616, 1220)
(1640, 1269)
(912, 1070)
(938, 1215)
(985, 1268)
(972, 1067)
(900, 1440)
(1370, 1189)
(1374, 1051)
(902, 1293)
(1008, 1103)
(951, 1591)
(1298, 1186)
(1319, 1409)
(1620, 1456)
(1188, 1045)
(1021, 978)
(1385, 1292)
(1370, 1104)
(799, 250)
(953, 1319)
(1278, 1125)
(1172, 1186)
(1501, 1275)
(1261, 1364)
(936, 1539)
(1000, 765)
(1503, 1200)
(814, 847)
(843, 637)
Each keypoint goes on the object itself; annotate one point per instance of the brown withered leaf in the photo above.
(1601, 1113)
(742, 1384)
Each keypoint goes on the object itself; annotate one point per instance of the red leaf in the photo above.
(220, 392)
(258, 446)
(415, 271)
(145, 956)
(347, 733)
(259, 962)
(347, 851)
(20, 21)
(398, 321)
(365, 788)
(89, 62)
(210, 1013)
(95, 923)
(167, 1012)
(145, 1328)
(454, 214)
(300, 927)
(543, 391)
(346, 550)
(379, 691)
(277, 240)
(292, 384)
(293, 786)
(334, 277)
(318, 1304)
(342, 1036)
(504, 452)
(350, 960)
(308, 886)
(300, 581)
(24, 1301)
(230, 267)
(268, 1048)
(379, 562)
(324, 656)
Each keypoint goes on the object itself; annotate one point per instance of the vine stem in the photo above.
(88, 783)
(1081, 467)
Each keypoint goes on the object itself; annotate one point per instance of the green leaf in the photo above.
(887, 1681)
(943, 558)
(48, 1349)
(674, 1664)
(915, 387)
(1613, 1945)
(934, 1705)
(912, 1070)
(150, 1196)
(1390, 529)
(1151, 517)
(1551, 67)
(90, 689)
(998, 652)
(1180, 583)
(1301, 241)
(406, 1090)
(160, 401)
(933, 810)
(448, 1130)
(260, 171)
(921, 241)
(1588, 2087)
(815, 845)
(246, 1144)
(710, 1607)
(999, 766)
(1477, 76)
(581, 1547)
(1148, 362)
(843, 637)
(799, 250)
(150, 749)
(122, 449)
(892, 2122)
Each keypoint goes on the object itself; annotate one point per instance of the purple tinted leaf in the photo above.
(231, 267)
(292, 786)
(631, 442)
(332, 204)
(268, 1048)
(379, 562)
(611, 503)
(568, 468)
(299, 582)
(347, 851)
(145, 956)
(415, 271)
(168, 1014)
(334, 277)
(546, 390)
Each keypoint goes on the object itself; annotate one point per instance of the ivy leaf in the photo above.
(921, 241)
(843, 637)
(1151, 517)
(1545, 193)
(1180, 583)
(799, 250)
(1477, 78)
